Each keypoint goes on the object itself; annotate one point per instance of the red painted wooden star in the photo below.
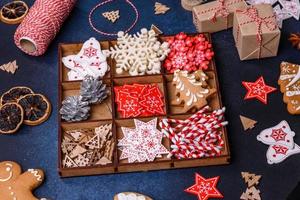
(258, 90)
(205, 188)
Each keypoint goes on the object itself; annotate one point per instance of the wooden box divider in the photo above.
(99, 116)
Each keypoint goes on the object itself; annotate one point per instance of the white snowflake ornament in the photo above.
(138, 54)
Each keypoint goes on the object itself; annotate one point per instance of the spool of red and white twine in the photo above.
(41, 25)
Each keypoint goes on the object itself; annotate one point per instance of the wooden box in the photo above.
(107, 113)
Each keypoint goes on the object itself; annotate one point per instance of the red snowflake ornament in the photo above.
(280, 149)
(205, 188)
(258, 90)
(189, 53)
(90, 52)
(278, 135)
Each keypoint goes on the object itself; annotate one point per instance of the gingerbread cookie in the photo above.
(289, 82)
(192, 90)
(16, 185)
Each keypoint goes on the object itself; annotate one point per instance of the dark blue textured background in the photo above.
(37, 146)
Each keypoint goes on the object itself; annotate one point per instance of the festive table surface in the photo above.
(36, 147)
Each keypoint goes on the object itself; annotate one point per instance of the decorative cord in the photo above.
(112, 34)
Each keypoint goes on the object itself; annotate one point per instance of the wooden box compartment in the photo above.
(213, 101)
(157, 80)
(124, 166)
(101, 111)
(107, 112)
(71, 49)
(90, 170)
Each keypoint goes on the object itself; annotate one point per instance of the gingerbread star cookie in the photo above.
(17, 185)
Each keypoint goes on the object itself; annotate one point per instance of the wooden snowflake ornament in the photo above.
(160, 8)
(192, 90)
(138, 54)
(112, 16)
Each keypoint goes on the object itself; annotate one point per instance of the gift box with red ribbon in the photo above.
(256, 32)
(216, 15)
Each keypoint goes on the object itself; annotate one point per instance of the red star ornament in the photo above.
(258, 90)
(205, 188)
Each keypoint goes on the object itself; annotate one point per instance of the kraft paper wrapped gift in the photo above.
(216, 15)
(255, 32)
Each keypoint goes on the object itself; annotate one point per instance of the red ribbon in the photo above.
(221, 11)
(253, 14)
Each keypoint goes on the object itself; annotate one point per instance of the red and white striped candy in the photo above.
(196, 137)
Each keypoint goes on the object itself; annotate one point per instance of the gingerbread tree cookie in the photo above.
(17, 185)
(289, 82)
(192, 90)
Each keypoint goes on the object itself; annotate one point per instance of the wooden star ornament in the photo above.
(205, 188)
(258, 90)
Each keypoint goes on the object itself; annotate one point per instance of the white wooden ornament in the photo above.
(138, 54)
(112, 16)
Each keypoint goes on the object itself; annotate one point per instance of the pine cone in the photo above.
(93, 90)
(295, 40)
(74, 109)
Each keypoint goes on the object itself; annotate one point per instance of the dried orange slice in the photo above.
(37, 108)
(11, 118)
(14, 94)
(13, 12)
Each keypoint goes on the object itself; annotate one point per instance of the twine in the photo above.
(112, 34)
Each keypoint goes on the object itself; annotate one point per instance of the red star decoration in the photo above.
(278, 135)
(205, 188)
(258, 90)
(280, 149)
